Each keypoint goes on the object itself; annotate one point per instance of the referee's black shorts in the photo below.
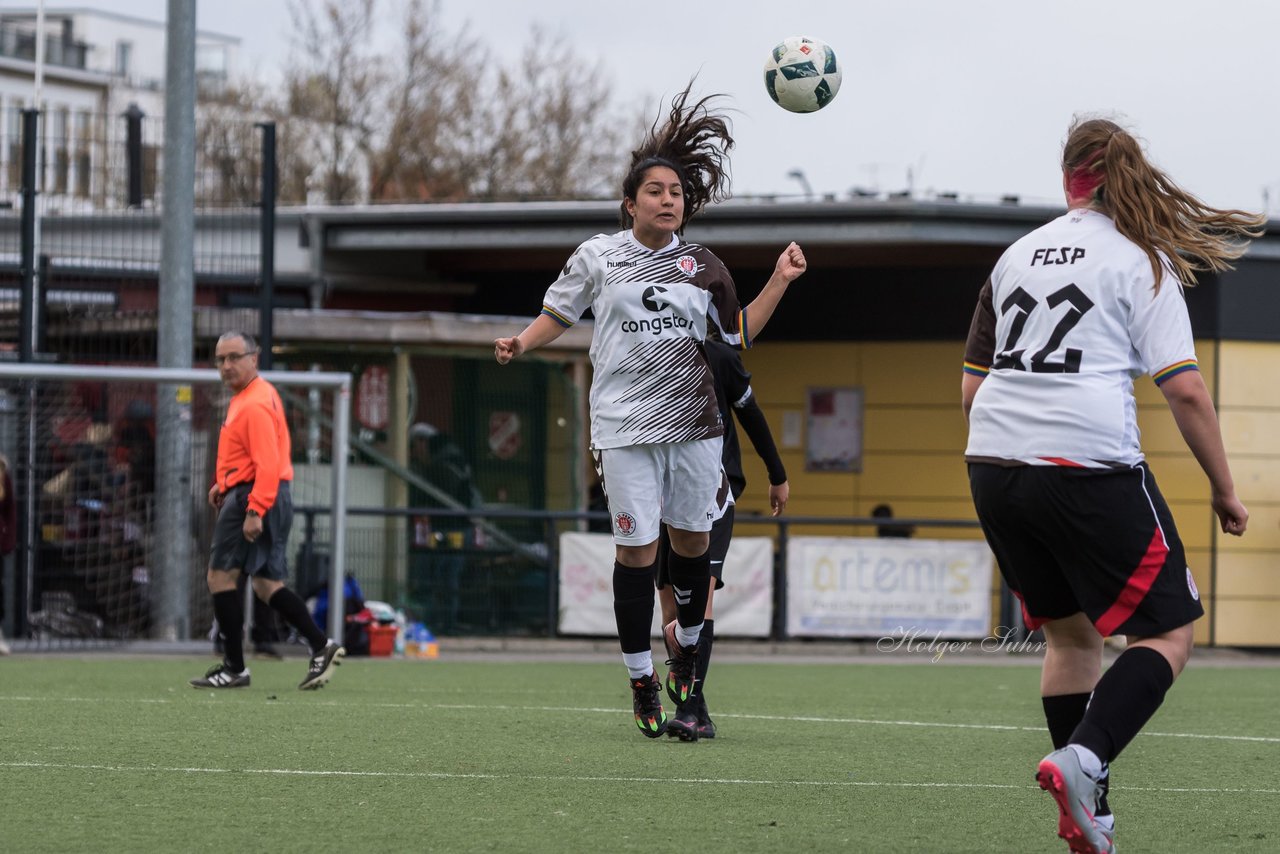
(1101, 541)
(267, 556)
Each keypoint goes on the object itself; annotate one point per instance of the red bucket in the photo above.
(382, 640)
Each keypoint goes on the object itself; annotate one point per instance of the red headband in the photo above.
(1084, 180)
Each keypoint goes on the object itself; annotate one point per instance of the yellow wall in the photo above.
(1248, 567)
(913, 458)
(913, 431)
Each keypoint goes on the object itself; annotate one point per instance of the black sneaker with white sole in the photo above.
(321, 666)
(222, 676)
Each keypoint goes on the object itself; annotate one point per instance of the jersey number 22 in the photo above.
(1023, 303)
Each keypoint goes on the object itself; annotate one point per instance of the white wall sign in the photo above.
(834, 437)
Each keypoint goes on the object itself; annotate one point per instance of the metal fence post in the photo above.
(553, 575)
(40, 301)
(27, 302)
(171, 588)
(25, 568)
(133, 153)
(267, 254)
(780, 583)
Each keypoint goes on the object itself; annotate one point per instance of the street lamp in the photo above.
(798, 174)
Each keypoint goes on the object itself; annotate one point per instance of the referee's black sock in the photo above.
(1063, 713)
(705, 640)
(288, 605)
(1126, 697)
(228, 609)
(690, 579)
(633, 596)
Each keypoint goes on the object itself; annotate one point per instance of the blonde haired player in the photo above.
(1071, 314)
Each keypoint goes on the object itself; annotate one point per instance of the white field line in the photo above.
(1261, 739)
(567, 778)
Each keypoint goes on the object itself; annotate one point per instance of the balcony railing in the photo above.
(19, 42)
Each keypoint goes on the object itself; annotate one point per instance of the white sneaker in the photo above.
(1077, 796)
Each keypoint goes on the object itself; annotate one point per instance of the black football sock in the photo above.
(1063, 713)
(690, 579)
(705, 642)
(228, 609)
(295, 613)
(1126, 697)
(633, 595)
(264, 624)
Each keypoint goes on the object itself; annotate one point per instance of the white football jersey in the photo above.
(652, 382)
(1068, 319)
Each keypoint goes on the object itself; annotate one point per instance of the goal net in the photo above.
(111, 468)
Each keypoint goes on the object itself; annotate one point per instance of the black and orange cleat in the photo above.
(650, 717)
(684, 666)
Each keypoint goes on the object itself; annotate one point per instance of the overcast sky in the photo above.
(971, 98)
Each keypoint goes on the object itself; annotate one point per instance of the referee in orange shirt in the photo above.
(255, 512)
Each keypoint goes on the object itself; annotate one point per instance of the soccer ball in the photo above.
(802, 74)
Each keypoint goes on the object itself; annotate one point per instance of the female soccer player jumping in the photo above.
(655, 426)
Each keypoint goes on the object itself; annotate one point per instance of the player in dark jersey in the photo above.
(655, 427)
(734, 394)
(1070, 316)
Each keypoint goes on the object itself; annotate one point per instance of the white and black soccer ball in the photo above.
(802, 74)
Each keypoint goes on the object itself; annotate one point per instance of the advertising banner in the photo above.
(850, 587)
(743, 607)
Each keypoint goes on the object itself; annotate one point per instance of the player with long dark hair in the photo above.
(655, 426)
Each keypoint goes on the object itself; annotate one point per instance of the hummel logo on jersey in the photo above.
(653, 298)
(615, 264)
(683, 597)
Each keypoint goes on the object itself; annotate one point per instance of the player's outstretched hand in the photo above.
(506, 349)
(1233, 515)
(791, 263)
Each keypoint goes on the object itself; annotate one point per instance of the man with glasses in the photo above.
(255, 512)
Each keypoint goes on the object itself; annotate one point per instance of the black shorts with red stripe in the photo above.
(1101, 541)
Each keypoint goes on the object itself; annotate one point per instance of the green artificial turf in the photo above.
(118, 754)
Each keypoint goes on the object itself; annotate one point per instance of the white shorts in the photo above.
(646, 485)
